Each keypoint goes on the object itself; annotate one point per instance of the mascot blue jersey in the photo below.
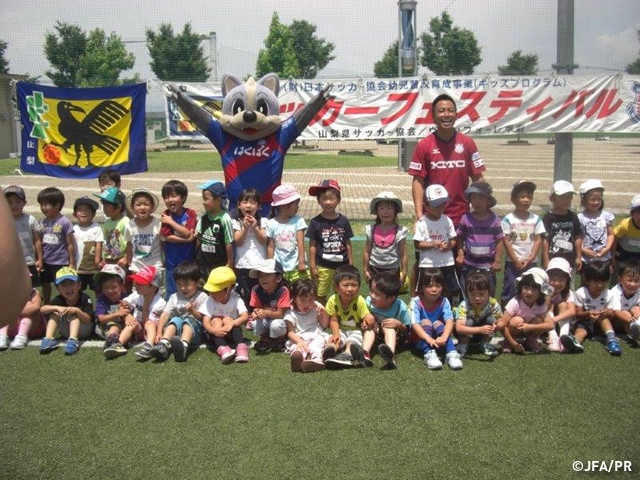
(257, 164)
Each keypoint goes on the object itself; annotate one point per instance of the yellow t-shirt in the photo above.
(350, 318)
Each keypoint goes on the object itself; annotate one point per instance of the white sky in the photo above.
(361, 30)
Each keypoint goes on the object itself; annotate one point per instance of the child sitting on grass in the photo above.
(626, 310)
(477, 314)
(111, 311)
(180, 324)
(30, 322)
(348, 316)
(432, 320)
(561, 303)
(306, 321)
(391, 316)
(223, 314)
(526, 314)
(70, 314)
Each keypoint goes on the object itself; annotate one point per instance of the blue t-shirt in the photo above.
(397, 310)
(442, 312)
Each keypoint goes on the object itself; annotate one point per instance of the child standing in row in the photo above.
(285, 233)
(27, 230)
(563, 236)
(114, 227)
(435, 239)
(596, 223)
(329, 235)
(177, 231)
(143, 232)
(249, 235)
(306, 321)
(480, 235)
(58, 243)
(386, 243)
(214, 230)
(89, 240)
(523, 232)
(432, 320)
(527, 314)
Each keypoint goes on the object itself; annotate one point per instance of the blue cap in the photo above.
(216, 187)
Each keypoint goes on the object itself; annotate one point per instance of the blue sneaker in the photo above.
(48, 344)
(72, 347)
(613, 347)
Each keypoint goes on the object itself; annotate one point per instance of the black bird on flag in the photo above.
(89, 132)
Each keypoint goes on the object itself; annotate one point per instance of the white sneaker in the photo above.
(553, 342)
(432, 360)
(4, 342)
(453, 360)
(19, 342)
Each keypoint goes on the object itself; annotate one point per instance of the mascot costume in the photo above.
(251, 138)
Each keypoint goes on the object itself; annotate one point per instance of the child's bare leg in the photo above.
(150, 332)
(390, 338)
(46, 293)
(187, 333)
(52, 325)
(368, 338)
(169, 331)
(580, 334)
(127, 333)
(74, 327)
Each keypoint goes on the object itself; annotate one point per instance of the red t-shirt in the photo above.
(448, 163)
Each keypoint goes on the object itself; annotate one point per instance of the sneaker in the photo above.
(613, 347)
(571, 344)
(341, 360)
(179, 349)
(160, 351)
(279, 346)
(490, 350)
(553, 342)
(296, 361)
(114, 351)
(262, 346)
(250, 323)
(462, 349)
(226, 354)
(432, 361)
(144, 351)
(453, 360)
(387, 355)
(4, 342)
(531, 344)
(358, 354)
(634, 328)
(242, 353)
(312, 366)
(48, 344)
(328, 352)
(72, 346)
(506, 347)
(19, 342)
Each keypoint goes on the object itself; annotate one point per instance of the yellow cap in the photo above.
(219, 279)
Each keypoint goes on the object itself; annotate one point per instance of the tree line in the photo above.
(89, 59)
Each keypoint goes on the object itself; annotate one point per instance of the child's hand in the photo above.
(258, 313)
(391, 323)
(460, 259)
(166, 219)
(441, 341)
(302, 346)
(523, 327)
(320, 308)
(517, 348)
(129, 321)
(497, 266)
(335, 339)
(433, 343)
(249, 222)
(487, 329)
(122, 263)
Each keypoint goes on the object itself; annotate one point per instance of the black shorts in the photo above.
(48, 273)
(35, 276)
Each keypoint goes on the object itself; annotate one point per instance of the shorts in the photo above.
(195, 325)
(350, 336)
(48, 273)
(585, 325)
(325, 281)
(85, 332)
(35, 276)
(294, 275)
(86, 279)
(275, 327)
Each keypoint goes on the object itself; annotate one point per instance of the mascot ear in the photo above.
(229, 82)
(272, 82)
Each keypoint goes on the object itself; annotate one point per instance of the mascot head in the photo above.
(250, 110)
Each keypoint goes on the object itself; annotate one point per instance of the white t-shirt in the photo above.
(432, 230)
(303, 323)
(521, 232)
(386, 255)
(86, 239)
(251, 252)
(155, 309)
(27, 227)
(621, 302)
(285, 241)
(147, 248)
(584, 300)
(233, 308)
(177, 304)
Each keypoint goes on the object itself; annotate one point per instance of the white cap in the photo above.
(559, 263)
(561, 187)
(590, 184)
(436, 195)
(635, 202)
(540, 277)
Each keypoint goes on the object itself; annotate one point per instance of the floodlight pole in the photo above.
(563, 148)
(407, 64)
(213, 57)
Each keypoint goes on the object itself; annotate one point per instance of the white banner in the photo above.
(400, 108)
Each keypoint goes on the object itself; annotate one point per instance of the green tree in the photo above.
(313, 53)
(518, 64)
(634, 67)
(85, 60)
(4, 63)
(387, 66)
(104, 59)
(279, 54)
(177, 57)
(449, 50)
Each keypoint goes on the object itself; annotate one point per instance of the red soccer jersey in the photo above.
(449, 163)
